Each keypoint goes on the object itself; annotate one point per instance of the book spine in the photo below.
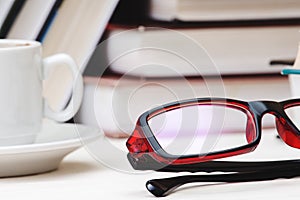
(49, 21)
(5, 7)
(13, 13)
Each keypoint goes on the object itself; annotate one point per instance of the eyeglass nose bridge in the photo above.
(263, 107)
(286, 129)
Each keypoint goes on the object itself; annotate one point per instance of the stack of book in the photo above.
(162, 51)
(152, 52)
(241, 37)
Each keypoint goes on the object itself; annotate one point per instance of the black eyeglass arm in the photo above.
(229, 166)
(162, 187)
(148, 163)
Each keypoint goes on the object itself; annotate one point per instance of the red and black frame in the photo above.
(145, 153)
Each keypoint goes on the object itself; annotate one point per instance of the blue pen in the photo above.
(290, 71)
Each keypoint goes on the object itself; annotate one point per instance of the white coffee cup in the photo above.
(22, 106)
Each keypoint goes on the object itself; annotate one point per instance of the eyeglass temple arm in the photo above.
(210, 166)
(162, 187)
(228, 166)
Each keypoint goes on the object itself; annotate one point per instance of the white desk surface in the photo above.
(80, 176)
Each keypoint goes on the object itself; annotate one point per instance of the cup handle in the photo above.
(77, 87)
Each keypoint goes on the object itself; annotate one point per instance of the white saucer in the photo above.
(53, 143)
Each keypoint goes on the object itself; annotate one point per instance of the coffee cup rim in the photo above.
(18, 44)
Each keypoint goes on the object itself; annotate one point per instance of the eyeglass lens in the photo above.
(294, 114)
(202, 129)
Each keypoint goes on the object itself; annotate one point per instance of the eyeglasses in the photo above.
(188, 135)
(216, 128)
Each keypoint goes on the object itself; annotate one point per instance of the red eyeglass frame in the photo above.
(145, 152)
